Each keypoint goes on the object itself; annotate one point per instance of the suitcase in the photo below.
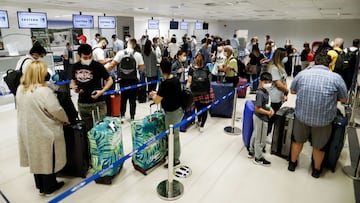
(183, 128)
(297, 66)
(248, 125)
(241, 93)
(283, 132)
(115, 103)
(225, 107)
(77, 150)
(66, 103)
(144, 130)
(106, 147)
(336, 142)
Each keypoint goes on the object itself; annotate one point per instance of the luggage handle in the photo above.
(93, 114)
(152, 104)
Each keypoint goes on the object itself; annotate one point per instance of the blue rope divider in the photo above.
(151, 141)
(6, 199)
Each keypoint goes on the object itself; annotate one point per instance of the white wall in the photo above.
(298, 31)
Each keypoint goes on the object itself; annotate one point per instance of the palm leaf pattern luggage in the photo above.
(143, 131)
(106, 145)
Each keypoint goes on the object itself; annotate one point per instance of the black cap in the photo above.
(113, 36)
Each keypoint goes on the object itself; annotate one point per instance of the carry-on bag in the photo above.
(144, 130)
(248, 126)
(106, 147)
(283, 132)
(188, 113)
(77, 150)
(336, 143)
(224, 108)
(241, 93)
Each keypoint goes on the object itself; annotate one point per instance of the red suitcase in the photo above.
(242, 93)
(115, 101)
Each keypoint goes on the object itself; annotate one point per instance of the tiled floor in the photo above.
(221, 172)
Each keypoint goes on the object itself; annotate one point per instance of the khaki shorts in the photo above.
(319, 135)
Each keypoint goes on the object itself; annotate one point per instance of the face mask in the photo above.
(104, 46)
(81, 42)
(225, 53)
(184, 59)
(331, 43)
(86, 62)
(284, 60)
(267, 86)
(128, 45)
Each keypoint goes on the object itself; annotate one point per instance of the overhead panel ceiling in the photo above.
(189, 9)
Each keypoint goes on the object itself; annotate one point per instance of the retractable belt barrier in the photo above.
(148, 143)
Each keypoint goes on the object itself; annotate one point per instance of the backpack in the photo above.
(12, 77)
(127, 67)
(344, 61)
(350, 58)
(187, 99)
(241, 68)
(200, 84)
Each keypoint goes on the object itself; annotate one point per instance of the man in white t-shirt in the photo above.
(99, 53)
(118, 44)
(128, 77)
(36, 53)
(95, 41)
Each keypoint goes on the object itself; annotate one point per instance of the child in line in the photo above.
(262, 113)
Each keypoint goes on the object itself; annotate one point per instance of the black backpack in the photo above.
(13, 77)
(241, 68)
(200, 84)
(127, 67)
(187, 99)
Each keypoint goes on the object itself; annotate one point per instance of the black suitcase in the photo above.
(283, 132)
(336, 142)
(77, 150)
(297, 66)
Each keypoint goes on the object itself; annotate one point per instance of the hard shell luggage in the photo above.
(336, 142)
(283, 132)
(106, 147)
(241, 93)
(144, 130)
(77, 150)
(115, 103)
(248, 126)
(188, 113)
(224, 108)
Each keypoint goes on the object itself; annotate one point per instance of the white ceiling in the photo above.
(208, 10)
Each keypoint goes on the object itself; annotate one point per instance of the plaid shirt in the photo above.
(207, 98)
(318, 91)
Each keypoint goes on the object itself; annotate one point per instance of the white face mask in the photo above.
(284, 60)
(267, 86)
(184, 59)
(225, 53)
(86, 62)
(331, 43)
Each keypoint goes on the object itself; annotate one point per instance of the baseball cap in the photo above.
(82, 37)
(113, 36)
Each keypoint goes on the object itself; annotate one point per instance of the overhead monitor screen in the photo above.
(4, 20)
(32, 19)
(107, 22)
(83, 21)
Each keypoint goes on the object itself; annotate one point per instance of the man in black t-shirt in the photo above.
(87, 76)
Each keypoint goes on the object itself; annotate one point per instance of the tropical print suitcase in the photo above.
(106, 147)
(144, 130)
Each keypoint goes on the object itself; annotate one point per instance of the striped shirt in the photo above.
(318, 91)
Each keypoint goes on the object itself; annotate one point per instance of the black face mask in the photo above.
(104, 46)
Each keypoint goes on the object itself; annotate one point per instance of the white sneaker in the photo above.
(269, 139)
(201, 129)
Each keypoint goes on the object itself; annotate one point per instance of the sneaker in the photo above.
(175, 164)
(201, 129)
(122, 119)
(262, 161)
(269, 139)
(250, 155)
(316, 173)
(292, 165)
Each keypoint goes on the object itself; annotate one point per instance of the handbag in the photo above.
(251, 69)
(12, 78)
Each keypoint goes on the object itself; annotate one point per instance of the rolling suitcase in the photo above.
(283, 132)
(188, 113)
(115, 103)
(336, 142)
(106, 147)
(77, 150)
(241, 93)
(144, 130)
(224, 108)
(248, 125)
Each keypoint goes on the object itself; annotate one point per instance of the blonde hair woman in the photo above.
(278, 91)
(40, 120)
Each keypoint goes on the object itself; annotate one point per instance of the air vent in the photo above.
(210, 4)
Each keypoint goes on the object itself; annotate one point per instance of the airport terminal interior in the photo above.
(217, 163)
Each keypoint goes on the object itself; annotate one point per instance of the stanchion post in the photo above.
(170, 189)
(232, 130)
(353, 173)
